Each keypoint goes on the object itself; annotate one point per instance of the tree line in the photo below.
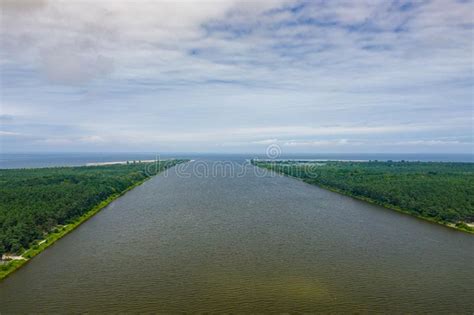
(34, 202)
(439, 191)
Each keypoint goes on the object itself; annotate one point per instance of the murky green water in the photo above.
(224, 242)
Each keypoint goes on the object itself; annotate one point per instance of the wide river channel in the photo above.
(224, 236)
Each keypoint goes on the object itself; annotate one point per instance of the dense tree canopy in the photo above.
(35, 201)
(443, 192)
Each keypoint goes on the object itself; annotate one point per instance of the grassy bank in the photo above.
(441, 193)
(58, 231)
(34, 250)
(461, 227)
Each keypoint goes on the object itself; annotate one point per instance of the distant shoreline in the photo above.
(65, 159)
(121, 162)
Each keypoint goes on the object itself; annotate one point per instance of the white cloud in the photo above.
(318, 143)
(75, 68)
(54, 142)
(180, 73)
(430, 142)
(92, 139)
(265, 141)
(9, 133)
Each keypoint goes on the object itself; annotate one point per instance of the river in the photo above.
(228, 237)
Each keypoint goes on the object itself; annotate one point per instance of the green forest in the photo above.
(436, 191)
(36, 202)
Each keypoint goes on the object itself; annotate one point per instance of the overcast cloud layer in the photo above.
(236, 76)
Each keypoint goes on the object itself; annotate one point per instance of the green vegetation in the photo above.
(438, 192)
(39, 206)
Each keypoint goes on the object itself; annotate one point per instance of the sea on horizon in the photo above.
(55, 159)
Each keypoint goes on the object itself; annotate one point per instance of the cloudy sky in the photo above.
(237, 76)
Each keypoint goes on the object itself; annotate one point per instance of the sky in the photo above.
(237, 76)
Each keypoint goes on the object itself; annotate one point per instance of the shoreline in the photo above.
(51, 238)
(121, 162)
(374, 202)
(393, 208)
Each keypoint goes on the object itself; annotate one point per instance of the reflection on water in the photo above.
(246, 243)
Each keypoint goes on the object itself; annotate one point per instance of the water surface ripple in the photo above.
(257, 243)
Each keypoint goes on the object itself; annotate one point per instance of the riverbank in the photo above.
(392, 207)
(345, 176)
(60, 231)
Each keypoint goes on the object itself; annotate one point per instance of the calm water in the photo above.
(221, 241)
(29, 160)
